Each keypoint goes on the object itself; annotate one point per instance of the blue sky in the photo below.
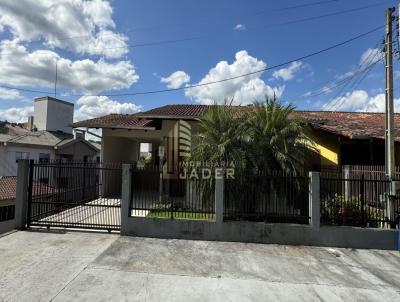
(98, 49)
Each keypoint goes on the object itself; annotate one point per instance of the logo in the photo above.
(198, 170)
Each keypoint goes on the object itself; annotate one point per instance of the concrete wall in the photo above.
(258, 232)
(119, 149)
(53, 115)
(7, 226)
(244, 231)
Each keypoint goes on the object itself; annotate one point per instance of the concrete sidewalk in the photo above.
(100, 267)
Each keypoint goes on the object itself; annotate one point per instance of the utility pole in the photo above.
(389, 111)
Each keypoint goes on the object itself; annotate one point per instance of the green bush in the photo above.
(336, 210)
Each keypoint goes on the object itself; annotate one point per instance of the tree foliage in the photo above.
(265, 137)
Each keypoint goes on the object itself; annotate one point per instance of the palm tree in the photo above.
(218, 137)
(276, 140)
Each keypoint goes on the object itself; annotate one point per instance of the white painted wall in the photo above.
(53, 115)
(8, 164)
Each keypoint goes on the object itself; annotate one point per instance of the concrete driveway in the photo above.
(73, 266)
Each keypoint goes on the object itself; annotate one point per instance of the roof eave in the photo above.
(114, 127)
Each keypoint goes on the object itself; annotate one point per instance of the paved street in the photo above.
(79, 266)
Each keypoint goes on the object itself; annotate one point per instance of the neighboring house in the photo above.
(8, 188)
(341, 138)
(47, 136)
(8, 195)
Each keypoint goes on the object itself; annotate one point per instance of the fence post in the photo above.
(126, 195)
(219, 195)
(315, 200)
(390, 206)
(21, 204)
(347, 173)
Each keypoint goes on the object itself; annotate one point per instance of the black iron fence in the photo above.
(158, 196)
(275, 197)
(74, 194)
(356, 201)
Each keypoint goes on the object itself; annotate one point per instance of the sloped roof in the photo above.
(8, 188)
(177, 111)
(115, 121)
(354, 125)
(5, 137)
(42, 138)
(65, 142)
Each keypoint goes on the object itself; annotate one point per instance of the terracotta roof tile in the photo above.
(115, 121)
(356, 125)
(8, 188)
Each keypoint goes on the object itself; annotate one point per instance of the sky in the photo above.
(108, 51)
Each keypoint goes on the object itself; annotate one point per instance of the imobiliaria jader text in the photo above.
(206, 170)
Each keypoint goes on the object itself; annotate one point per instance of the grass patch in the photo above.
(180, 215)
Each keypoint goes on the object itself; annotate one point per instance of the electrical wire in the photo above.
(327, 87)
(339, 99)
(218, 33)
(222, 80)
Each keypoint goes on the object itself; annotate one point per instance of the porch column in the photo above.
(126, 196)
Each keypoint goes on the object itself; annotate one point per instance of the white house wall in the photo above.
(8, 164)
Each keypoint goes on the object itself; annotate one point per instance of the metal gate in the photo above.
(75, 195)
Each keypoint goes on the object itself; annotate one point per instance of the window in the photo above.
(21, 155)
(44, 157)
(145, 153)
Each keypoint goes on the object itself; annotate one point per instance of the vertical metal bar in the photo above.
(362, 200)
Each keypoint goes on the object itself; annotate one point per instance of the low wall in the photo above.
(258, 232)
(7, 226)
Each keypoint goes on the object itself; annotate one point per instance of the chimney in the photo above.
(52, 114)
(29, 126)
(79, 134)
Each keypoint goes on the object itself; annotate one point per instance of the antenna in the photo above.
(55, 80)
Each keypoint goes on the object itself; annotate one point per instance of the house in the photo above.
(340, 138)
(8, 195)
(47, 136)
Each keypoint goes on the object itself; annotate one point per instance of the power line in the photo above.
(338, 100)
(295, 7)
(327, 87)
(317, 3)
(216, 34)
(379, 3)
(222, 80)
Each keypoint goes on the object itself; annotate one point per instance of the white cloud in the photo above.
(176, 79)
(16, 115)
(371, 55)
(38, 69)
(360, 100)
(77, 25)
(288, 73)
(242, 90)
(240, 27)
(94, 106)
(368, 57)
(9, 94)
